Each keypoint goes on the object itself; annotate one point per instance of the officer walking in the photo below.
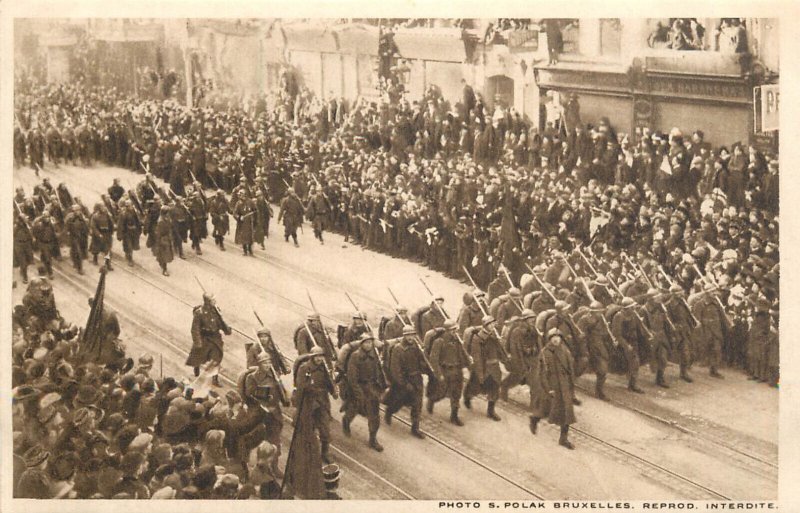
(314, 386)
(207, 323)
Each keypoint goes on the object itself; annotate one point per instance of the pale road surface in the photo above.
(709, 439)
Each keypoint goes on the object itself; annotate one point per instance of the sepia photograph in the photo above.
(513, 260)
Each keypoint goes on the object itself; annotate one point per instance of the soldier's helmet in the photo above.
(146, 360)
(220, 193)
(263, 359)
(479, 293)
(514, 292)
(313, 316)
(628, 302)
(652, 293)
(527, 314)
(675, 288)
(316, 351)
(553, 332)
(561, 305)
(207, 297)
(596, 306)
(264, 331)
(408, 330)
(487, 320)
(450, 324)
(402, 309)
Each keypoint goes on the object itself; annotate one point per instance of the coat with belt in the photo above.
(552, 394)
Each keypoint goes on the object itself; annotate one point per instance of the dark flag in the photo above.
(303, 474)
(92, 341)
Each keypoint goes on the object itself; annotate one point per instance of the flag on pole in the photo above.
(91, 343)
(303, 474)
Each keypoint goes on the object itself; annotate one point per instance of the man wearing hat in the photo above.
(291, 212)
(314, 386)
(757, 339)
(629, 332)
(430, 316)
(218, 209)
(318, 210)
(658, 323)
(393, 328)
(261, 391)
(34, 483)
(77, 229)
(354, 331)
(554, 388)
(714, 326)
(163, 239)
(448, 358)
(244, 212)
(471, 312)
(508, 308)
(597, 334)
(683, 322)
(207, 323)
(312, 333)
(406, 365)
(366, 384)
(265, 344)
(485, 375)
(522, 343)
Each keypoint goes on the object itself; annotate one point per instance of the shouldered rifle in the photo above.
(225, 326)
(284, 396)
(683, 299)
(21, 215)
(508, 278)
(553, 297)
(369, 327)
(416, 338)
(277, 350)
(585, 259)
(621, 295)
(485, 312)
(719, 302)
(327, 341)
(328, 370)
(444, 313)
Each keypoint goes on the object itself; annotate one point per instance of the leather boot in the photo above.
(562, 440)
(416, 432)
(346, 426)
(534, 425)
(429, 406)
(215, 380)
(685, 374)
(454, 417)
(660, 379)
(373, 442)
(714, 373)
(326, 458)
(196, 371)
(598, 388)
(468, 402)
(632, 386)
(490, 412)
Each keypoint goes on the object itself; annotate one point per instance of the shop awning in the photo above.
(359, 39)
(310, 39)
